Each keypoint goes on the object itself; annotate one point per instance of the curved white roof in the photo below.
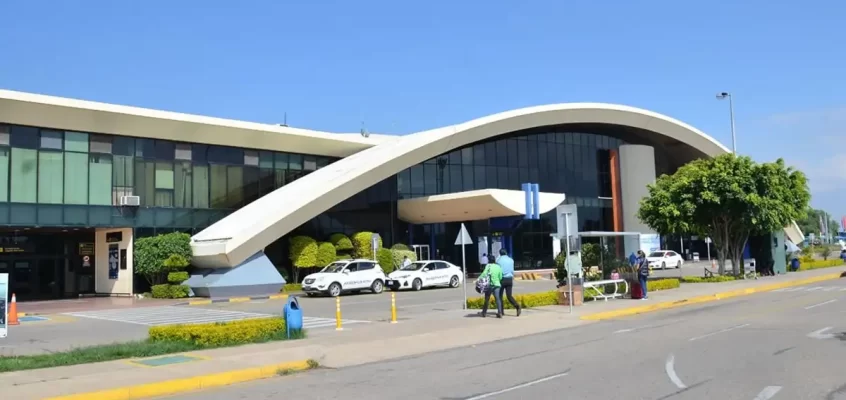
(248, 230)
(472, 205)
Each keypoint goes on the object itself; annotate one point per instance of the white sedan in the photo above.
(662, 259)
(420, 274)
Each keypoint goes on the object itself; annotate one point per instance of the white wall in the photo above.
(104, 285)
(637, 169)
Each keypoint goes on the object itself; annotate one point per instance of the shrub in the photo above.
(529, 300)
(303, 254)
(710, 279)
(400, 246)
(385, 258)
(561, 266)
(825, 252)
(590, 254)
(807, 266)
(292, 287)
(398, 255)
(342, 243)
(662, 284)
(221, 333)
(325, 254)
(155, 256)
(343, 257)
(168, 291)
(361, 245)
(177, 277)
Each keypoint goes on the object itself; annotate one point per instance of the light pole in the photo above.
(722, 96)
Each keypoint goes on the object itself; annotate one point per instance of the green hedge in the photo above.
(221, 333)
(303, 252)
(342, 243)
(361, 245)
(292, 287)
(385, 258)
(662, 284)
(710, 279)
(399, 254)
(817, 264)
(400, 246)
(177, 277)
(168, 291)
(325, 254)
(528, 300)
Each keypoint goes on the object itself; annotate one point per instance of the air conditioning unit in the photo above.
(130, 201)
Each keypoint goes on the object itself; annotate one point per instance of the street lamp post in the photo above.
(722, 96)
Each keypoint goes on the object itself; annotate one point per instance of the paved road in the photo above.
(779, 345)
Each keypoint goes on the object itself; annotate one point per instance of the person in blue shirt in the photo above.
(507, 265)
(643, 273)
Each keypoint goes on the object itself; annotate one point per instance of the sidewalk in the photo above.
(357, 344)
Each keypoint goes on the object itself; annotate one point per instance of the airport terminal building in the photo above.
(79, 181)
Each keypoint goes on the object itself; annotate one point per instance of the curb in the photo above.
(184, 385)
(625, 312)
(231, 300)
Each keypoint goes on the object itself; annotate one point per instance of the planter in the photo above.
(578, 295)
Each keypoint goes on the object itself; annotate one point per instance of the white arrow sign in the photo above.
(821, 334)
(463, 237)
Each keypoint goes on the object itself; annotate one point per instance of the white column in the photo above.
(637, 170)
(102, 283)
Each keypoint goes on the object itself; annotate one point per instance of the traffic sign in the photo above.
(463, 237)
(462, 240)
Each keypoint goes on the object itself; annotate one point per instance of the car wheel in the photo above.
(335, 289)
(453, 282)
(377, 287)
(663, 265)
(417, 284)
(678, 265)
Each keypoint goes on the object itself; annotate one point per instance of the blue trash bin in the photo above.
(293, 315)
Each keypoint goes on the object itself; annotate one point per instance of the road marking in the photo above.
(796, 289)
(718, 332)
(671, 372)
(815, 288)
(520, 386)
(821, 334)
(768, 393)
(820, 304)
(829, 289)
(624, 330)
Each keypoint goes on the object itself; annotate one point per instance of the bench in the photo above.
(597, 288)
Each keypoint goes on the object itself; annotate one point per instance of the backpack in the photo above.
(483, 283)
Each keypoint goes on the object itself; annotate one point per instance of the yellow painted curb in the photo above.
(278, 296)
(199, 302)
(189, 384)
(625, 312)
(239, 299)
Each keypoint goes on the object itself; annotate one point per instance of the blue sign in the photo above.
(114, 260)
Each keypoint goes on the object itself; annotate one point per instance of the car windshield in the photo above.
(415, 266)
(335, 267)
(657, 254)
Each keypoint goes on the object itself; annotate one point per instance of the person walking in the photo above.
(493, 272)
(643, 273)
(507, 264)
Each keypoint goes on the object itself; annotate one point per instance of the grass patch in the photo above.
(310, 364)
(710, 279)
(292, 288)
(120, 351)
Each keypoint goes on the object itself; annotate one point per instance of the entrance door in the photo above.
(20, 279)
(47, 278)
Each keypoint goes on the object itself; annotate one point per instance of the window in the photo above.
(251, 157)
(234, 187)
(217, 185)
(100, 144)
(145, 178)
(295, 162)
(280, 160)
(467, 156)
(123, 177)
(200, 182)
(4, 174)
(265, 159)
(352, 267)
(251, 184)
(75, 141)
(100, 179)
(4, 135)
(165, 150)
(76, 176)
(225, 155)
(183, 151)
(24, 137)
(364, 266)
(182, 184)
(51, 139)
(50, 182)
(123, 146)
(164, 184)
(24, 174)
(309, 163)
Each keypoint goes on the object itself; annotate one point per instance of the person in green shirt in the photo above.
(494, 274)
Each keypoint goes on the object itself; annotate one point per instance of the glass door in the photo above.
(20, 279)
(47, 279)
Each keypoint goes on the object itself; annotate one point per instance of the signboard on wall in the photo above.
(86, 249)
(4, 304)
(114, 260)
(650, 242)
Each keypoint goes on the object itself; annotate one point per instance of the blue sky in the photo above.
(406, 66)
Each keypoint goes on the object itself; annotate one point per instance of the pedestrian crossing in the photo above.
(174, 315)
(812, 289)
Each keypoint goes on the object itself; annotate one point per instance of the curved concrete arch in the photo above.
(472, 205)
(248, 230)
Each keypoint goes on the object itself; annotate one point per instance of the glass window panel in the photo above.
(266, 181)
(404, 182)
(455, 158)
(467, 177)
(501, 153)
(491, 181)
(4, 174)
(251, 157)
(455, 179)
(123, 177)
(217, 184)
(182, 151)
(200, 182)
(280, 178)
(522, 154)
(164, 198)
(322, 162)
(552, 160)
(24, 137)
(479, 154)
(467, 156)
(50, 177)
(123, 146)
(145, 179)
(24, 175)
(4, 135)
(76, 178)
(100, 179)
(51, 139)
(76, 141)
(280, 161)
(479, 179)
(199, 152)
(182, 184)
(226, 155)
(309, 163)
(235, 187)
(514, 179)
(251, 184)
(100, 144)
(430, 179)
(164, 150)
(266, 159)
(523, 176)
(295, 162)
(417, 187)
(164, 175)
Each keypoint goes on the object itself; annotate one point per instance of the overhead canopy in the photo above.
(472, 205)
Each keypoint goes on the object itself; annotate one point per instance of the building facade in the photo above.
(68, 168)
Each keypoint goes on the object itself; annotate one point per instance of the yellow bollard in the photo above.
(393, 307)
(338, 326)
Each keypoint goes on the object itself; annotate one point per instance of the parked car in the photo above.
(420, 274)
(346, 276)
(662, 259)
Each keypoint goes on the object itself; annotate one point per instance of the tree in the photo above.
(156, 256)
(325, 254)
(303, 254)
(727, 198)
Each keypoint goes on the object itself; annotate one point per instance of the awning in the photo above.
(472, 205)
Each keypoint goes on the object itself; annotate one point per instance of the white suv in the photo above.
(346, 276)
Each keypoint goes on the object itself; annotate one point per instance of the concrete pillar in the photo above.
(111, 244)
(637, 170)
